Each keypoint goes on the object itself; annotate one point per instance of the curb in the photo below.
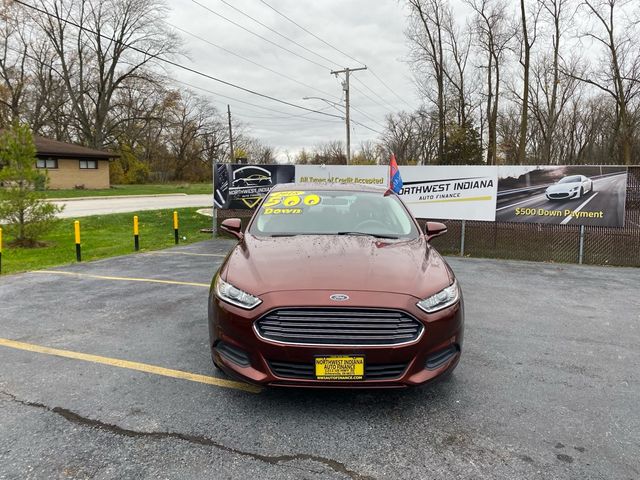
(107, 197)
(207, 212)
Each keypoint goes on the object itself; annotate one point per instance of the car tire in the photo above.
(581, 192)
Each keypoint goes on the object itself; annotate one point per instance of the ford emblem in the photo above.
(339, 297)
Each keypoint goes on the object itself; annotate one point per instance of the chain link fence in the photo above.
(536, 241)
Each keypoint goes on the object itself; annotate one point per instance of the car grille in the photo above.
(558, 195)
(339, 326)
(306, 371)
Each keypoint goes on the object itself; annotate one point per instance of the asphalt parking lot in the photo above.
(105, 373)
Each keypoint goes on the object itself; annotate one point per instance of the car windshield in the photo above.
(572, 179)
(324, 212)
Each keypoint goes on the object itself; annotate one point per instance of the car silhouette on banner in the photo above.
(573, 186)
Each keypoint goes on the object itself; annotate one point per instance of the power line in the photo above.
(386, 105)
(390, 89)
(311, 33)
(365, 114)
(289, 117)
(336, 49)
(230, 52)
(260, 36)
(175, 64)
(189, 69)
(372, 100)
(278, 33)
(339, 107)
(366, 126)
(250, 103)
(311, 51)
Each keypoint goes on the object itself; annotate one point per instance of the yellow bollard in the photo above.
(76, 227)
(176, 235)
(136, 237)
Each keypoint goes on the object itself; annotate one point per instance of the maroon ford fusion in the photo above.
(334, 286)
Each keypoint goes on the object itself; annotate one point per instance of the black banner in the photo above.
(239, 186)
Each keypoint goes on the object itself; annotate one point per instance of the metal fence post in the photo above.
(581, 252)
(214, 212)
(462, 229)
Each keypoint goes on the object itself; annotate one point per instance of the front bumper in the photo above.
(562, 195)
(238, 350)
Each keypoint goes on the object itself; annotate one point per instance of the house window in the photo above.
(46, 163)
(84, 164)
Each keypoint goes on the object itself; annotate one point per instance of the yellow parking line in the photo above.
(140, 367)
(122, 279)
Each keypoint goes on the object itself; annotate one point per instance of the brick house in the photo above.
(72, 166)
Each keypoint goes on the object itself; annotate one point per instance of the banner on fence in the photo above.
(579, 195)
(242, 186)
(576, 195)
(360, 174)
(450, 192)
(437, 192)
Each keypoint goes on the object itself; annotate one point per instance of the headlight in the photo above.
(574, 189)
(443, 299)
(230, 294)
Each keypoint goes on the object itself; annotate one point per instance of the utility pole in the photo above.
(230, 134)
(345, 87)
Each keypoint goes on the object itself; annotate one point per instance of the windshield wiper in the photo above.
(376, 235)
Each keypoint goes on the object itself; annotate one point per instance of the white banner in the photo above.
(454, 193)
(366, 175)
(434, 192)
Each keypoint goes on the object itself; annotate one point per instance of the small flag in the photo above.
(395, 180)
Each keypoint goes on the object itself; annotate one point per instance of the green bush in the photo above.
(22, 205)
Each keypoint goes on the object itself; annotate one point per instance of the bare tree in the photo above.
(494, 34)
(256, 150)
(372, 152)
(458, 43)
(116, 42)
(14, 46)
(550, 90)
(618, 74)
(429, 18)
(193, 119)
(412, 137)
(529, 31)
(48, 110)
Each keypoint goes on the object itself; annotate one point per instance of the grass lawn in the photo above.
(188, 188)
(106, 236)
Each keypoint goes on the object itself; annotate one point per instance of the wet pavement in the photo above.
(105, 374)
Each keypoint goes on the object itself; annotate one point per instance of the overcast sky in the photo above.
(369, 31)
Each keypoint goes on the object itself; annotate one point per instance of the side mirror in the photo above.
(435, 229)
(233, 226)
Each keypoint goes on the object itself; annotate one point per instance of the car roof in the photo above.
(328, 186)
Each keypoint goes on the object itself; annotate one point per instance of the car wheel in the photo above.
(581, 192)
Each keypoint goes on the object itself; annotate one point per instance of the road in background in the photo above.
(105, 205)
(608, 195)
(547, 387)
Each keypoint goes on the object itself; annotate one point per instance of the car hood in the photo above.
(562, 187)
(260, 265)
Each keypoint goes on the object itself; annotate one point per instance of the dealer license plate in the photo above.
(344, 367)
